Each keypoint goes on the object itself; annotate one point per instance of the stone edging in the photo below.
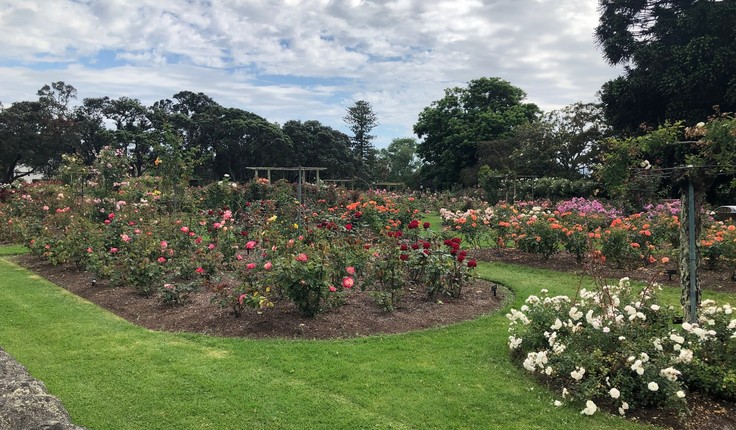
(25, 402)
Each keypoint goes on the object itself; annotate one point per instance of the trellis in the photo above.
(301, 174)
(302, 171)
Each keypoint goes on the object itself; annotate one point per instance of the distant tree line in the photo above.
(223, 141)
(680, 67)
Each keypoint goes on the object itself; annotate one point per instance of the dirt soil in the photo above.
(361, 317)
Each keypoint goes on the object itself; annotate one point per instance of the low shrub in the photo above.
(615, 348)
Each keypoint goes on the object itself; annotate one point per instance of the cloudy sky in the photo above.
(303, 59)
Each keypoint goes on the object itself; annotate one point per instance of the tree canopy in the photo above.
(679, 58)
(212, 140)
(361, 119)
(487, 110)
(317, 145)
(561, 143)
(398, 162)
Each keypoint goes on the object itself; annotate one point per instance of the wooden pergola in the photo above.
(301, 171)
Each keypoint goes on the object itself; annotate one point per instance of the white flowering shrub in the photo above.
(711, 367)
(616, 348)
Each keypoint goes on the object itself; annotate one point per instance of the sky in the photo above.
(303, 59)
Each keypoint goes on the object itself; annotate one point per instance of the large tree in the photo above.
(317, 145)
(34, 134)
(197, 119)
(22, 141)
(360, 120)
(92, 133)
(398, 162)
(679, 58)
(132, 131)
(487, 110)
(562, 143)
(248, 140)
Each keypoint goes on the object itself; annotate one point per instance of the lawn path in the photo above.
(111, 374)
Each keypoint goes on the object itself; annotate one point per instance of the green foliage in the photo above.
(247, 140)
(492, 182)
(176, 294)
(540, 236)
(305, 279)
(611, 346)
(398, 162)
(361, 119)
(486, 110)
(386, 277)
(24, 139)
(72, 172)
(562, 143)
(678, 57)
(625, 169)
(109, 171)
(316, 144)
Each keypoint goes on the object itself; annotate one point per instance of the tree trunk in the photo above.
(690, 258)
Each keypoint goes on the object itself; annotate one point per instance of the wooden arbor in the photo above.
(302, 171)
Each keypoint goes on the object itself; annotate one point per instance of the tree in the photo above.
(197, 119)
(35, 134)
(317, 145)
(92, 134)
(487, 110)
(398, 162)
(22, 141)
(562, 143)
(131, 131)
(361, 119)
(59, 125)
(246, 140)
(679, 59)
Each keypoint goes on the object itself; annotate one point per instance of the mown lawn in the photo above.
(111, 374)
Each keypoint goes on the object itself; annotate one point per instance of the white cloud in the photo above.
(308, 59)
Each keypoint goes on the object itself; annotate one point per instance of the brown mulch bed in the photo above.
(359, 316)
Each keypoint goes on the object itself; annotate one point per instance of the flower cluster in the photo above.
(614, 347)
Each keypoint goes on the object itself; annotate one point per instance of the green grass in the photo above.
(12, 250)
(111, 374)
